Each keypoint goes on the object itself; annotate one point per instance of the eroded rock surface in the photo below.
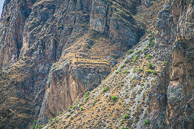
(53, 51)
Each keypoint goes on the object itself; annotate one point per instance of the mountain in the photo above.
(96, 64)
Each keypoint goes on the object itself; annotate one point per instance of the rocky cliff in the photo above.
(62, 63)
(53, 51)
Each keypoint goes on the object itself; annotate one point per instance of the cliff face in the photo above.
(152, 87)
(174, 88)
(53, 51)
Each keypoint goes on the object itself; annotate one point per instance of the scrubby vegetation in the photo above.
(87, 93)
(146, 122)
(150, 65)
(113, 98)
(135, 58)
(148, 57)
(126, 116)
(130, 51)
(105, 89)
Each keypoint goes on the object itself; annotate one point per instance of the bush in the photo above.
(145, 48)
(149, 71)
(35, 121)
(85, 99)
(130, 51)
(56, 120)
(164, 62)
(75, 106)
(148, 56)
(138, 52)
(150, 65)
(151, 39)
(146, 122)
(33, 127)
(154, 72)
(127, 61)
(151, 44)
(87, 93)
(125, 72)
(123, 128)
(40, 126)
(105, 89)
(153, 33)
(135, 58)
(126, 116)
(123, 66)
(139, 70)
(113, 98)
(81, 109)
(51, 120)
(67, 115)
(94, 102)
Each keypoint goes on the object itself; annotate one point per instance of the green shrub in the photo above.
(113, 98)
(59, 113)
(145, 48)
(150, 65)
(56, 120)
(78, 99)
(130, 51)
(33, 127)
(123, 128)
(51, 120)
(138, 52)
(75, 106)
(139, 70)
(146, 122)
(123, 66)
(126, 116)
(164, 62)
(87, 93)
(40, 126)
(148, 56)
(154, 72)
(85, 99)
(125, 72)
(105, 89)
(135, 58)
(151, 44)
(149, 71)
(67, 115)
(127, 61)
(71, 118)
(94, 102)
(120, 70)
(35, 121)
(151, 39)
(81, 109)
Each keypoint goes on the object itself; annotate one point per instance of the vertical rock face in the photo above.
(12, 24)
(58, 49)
(173, 94)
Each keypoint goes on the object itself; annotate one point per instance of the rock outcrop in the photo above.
(152, 87)
(52, 51)
(57, 58)
(171, 100)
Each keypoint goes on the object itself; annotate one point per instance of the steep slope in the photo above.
(53, 51)
(152, 87)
